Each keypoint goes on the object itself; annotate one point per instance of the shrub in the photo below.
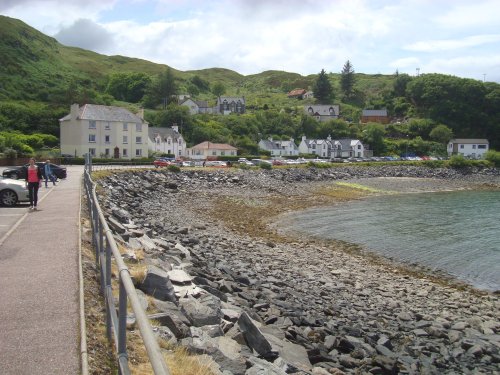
(493, 157)
(265, 166)
(174, 168)
(458, 161)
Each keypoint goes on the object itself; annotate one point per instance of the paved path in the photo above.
(39, 288)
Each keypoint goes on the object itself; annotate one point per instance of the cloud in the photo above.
(451, 44)
(85, 34)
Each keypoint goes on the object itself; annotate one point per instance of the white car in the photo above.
(12, 192)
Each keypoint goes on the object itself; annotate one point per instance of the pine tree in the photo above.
(323, 89)
(347, 79)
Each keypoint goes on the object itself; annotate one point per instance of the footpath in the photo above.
(39, 286)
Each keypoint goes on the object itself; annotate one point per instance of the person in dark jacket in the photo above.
(33, 179)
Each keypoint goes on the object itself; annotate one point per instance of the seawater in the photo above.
(455, 232)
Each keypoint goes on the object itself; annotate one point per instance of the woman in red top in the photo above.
(33, 178)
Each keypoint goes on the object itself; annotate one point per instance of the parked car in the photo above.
(216, 163)
(20, 171)
(12, 192)
(163, 162)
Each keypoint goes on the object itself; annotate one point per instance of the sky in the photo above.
(456, 37)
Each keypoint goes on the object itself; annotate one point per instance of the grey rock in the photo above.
(157, 284)
(202, 311)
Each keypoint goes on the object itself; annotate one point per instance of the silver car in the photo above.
(12, 192)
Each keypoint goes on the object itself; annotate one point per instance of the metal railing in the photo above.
(116, 323)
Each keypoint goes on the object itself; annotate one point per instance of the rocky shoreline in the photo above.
(228, 284)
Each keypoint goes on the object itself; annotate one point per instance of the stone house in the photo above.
(104, 131)
(323, 112)
(226, 105)
(166, 141)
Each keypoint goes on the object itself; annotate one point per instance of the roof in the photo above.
(163, 132)
(217, 146)
(469, 141)
(297, 92)
(105, 113)
(323, 109)
(229, 99)
(374, 112)
(269, 145)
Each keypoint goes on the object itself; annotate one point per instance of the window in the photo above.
(359, 147)
(222, 153)
(214, 153)
(138, 140)
(473, 147)
(106, 152)
(168, 141)
(125, 139)
(92, 138)
(138, 152)
(125, 152)
(232, 153)
(125, 127)
(92, 151)
(107, 126)
(138, 127)
(92, 124)
(180, 142)
(483, 147)
(461, 146)
(106, 139)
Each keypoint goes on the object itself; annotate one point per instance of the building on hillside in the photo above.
(308, 95)
(279, 148)
(319, 147)
(297, 94)
(375, 115)
(323, 112)
(226, 105)
(469, 148)
(166, 141)
(196, 106)
(104, 131)
(210, 151)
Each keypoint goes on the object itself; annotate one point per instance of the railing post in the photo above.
(122, 322)
(106, 280)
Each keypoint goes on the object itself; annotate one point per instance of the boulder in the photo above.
(157, 284)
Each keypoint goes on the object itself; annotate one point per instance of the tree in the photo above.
(218, 89)
(373, 134)
(347, 79)
(162, 89)
(441, 134)
(323, 88)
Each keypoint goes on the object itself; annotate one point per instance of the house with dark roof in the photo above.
(226, 105)
(323, 112)
(279, 147)
(196, 106)
(331, 148)
(210, 151)
(166, 141)
(319, 147)
(104, 131)
(375, 115)
(471, 148)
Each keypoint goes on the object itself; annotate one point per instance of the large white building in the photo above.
(331, 148)
(471, 148)
(104, 131)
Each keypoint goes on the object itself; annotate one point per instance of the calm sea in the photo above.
(456, 232)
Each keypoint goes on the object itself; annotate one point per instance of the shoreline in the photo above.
(348, 310)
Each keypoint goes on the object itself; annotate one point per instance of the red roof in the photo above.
(297, 92)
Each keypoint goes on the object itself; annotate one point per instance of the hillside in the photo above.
(37, 67)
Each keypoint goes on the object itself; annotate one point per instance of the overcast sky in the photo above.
(458, 37)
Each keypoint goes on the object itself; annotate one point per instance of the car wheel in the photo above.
(8, 198)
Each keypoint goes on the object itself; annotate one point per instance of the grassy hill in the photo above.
(37, 67)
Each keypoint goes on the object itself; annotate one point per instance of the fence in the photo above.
(116, 323)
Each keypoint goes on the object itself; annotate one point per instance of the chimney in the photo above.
(74, 111)
(175, 127)
(270, 139)
(304, 138)
(329, 138)
(140, 114)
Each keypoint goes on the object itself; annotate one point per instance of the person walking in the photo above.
(48, 173)
(33, 178)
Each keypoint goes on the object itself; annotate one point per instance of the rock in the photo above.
(201, 311)
(157, 284)
(254, 337)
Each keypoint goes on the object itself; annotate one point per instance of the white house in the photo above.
(323, 112)
(104, 131)
(471, 148)
(348, 148)
(210, 151)
(196, 106)
(319, 147)
(279, 148)
(166, 141)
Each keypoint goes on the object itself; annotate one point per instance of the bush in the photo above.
(265, 166)
(174, 168)
(493, 157)
(458, 161)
